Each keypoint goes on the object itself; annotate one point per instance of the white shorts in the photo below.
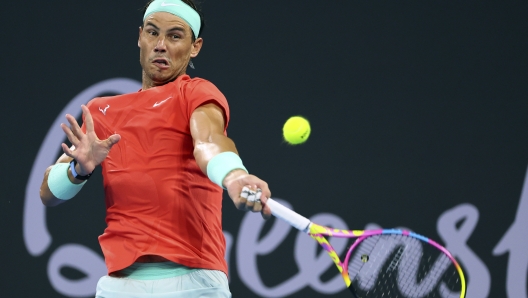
(201, 283)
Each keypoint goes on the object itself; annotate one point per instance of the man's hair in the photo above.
(193, 5)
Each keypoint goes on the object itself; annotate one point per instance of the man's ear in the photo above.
(197, 46)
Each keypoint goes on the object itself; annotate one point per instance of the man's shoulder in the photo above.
(197, 85)
(187, 81)
(113, 98)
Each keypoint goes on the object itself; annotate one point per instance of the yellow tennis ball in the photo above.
(296, 130)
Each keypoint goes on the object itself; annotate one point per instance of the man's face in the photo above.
(166, 46)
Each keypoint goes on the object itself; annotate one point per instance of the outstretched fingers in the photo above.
(112, 140)
(67, 150)
(73, 132)
(74, 126)
(88, 150)
(88, 120)
(70, 134)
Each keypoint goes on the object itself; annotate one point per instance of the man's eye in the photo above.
(154, 33)
(175, 37)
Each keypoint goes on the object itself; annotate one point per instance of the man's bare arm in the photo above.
(46, 195)
(207, 130)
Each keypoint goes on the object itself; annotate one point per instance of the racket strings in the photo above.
(395, 265)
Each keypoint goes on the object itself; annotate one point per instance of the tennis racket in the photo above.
(386, 263)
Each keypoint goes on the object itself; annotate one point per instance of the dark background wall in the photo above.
(416, 108)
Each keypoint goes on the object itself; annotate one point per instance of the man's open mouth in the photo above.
(161, 62)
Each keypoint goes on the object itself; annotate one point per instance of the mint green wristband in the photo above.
(220, 165)
(59, 183)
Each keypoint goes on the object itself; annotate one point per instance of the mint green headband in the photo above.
(179, 9)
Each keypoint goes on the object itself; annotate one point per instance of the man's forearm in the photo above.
(204, 151)
(46, 195)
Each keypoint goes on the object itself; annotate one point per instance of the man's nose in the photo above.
(160, 46)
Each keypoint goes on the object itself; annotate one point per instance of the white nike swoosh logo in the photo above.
(159, 103)
(169, 4)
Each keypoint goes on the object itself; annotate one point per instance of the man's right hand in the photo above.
(89, 151)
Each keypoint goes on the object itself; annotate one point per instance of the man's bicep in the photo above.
(207, 120)
(207, 130)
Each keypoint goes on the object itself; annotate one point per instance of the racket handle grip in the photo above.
(293, 218)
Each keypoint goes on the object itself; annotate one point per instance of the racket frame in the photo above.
(318, 233)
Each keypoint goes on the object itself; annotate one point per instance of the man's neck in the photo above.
(148, 83)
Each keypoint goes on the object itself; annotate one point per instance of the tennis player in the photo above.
(165, 159)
